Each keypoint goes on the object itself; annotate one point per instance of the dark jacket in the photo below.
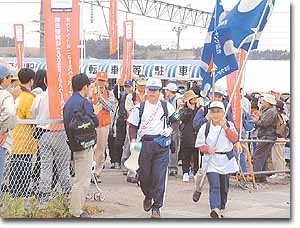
(266, 126)
(72, 105)
(188, 134)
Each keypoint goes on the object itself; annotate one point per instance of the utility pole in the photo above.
(42, 43)
(178, 31)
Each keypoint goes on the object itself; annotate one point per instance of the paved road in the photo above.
(124, 200)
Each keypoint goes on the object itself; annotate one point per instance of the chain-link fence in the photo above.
(37, 169)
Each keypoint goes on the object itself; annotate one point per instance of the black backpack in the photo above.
(164, 106)
(82, 129)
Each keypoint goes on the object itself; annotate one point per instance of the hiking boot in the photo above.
(82, 215)
(215, 213)
(147, 204)
(173, 173)
(131, 180)
(155, 213)
(185, 177)
(196, 196)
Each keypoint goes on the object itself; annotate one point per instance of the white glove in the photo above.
(166, 132)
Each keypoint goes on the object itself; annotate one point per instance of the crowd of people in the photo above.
(174, 125)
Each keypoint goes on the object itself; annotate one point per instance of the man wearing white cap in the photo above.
(172, 97)
(265, 122)
(152, 122)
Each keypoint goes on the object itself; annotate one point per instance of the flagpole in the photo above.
(213, 84)
(245, 61)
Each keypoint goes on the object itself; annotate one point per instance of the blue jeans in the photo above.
(243, 163)
(2, 162)
(218, 190)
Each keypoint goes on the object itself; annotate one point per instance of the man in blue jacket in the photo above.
(83, 158)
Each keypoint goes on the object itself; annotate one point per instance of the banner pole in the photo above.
(213, 84)
(245, 61)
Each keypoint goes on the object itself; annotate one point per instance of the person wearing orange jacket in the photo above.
(103, 101)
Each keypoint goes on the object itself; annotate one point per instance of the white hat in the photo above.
(219, 90)
(269, 98)
(153, 84)
(217, 104)
(171, 86)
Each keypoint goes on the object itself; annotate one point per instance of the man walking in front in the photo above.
(152, 123)
(83, 157)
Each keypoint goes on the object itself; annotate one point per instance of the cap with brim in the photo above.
(269, 98)
(128, 83)
(171, 87)
(154, 84)
(5, 71)
(216, 104)
(218, 91)
(102, 76)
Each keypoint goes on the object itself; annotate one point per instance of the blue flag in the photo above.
(207, 52)
(244, 20)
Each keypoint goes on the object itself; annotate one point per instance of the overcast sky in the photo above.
(147, 31)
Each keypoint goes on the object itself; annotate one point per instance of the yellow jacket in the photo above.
(23, 141)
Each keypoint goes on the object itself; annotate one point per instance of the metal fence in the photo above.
(38, 167)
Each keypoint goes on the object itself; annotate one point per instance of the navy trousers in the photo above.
(218, 190)
(153, 166)
(260, 156)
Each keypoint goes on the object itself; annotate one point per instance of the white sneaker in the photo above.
(185, 177)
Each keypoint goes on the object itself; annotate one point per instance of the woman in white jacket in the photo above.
(7, 116)
(216, 142)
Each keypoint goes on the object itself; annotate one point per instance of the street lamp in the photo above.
(178, 30)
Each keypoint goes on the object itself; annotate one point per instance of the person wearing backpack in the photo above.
(80, 123)
(265, 121)
(7, 116)
(152, 122)
(215, 140)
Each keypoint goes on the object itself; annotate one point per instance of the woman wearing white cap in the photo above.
(215, 139)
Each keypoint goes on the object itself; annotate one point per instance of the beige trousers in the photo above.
(102, 142)
(278, 159)
(83, 167)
